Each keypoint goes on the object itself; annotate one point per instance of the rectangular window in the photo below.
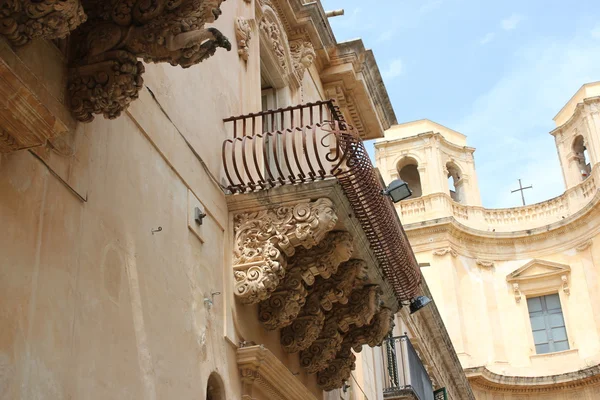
(547, 324)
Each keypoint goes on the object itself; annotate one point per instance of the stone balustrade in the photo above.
(440, 205)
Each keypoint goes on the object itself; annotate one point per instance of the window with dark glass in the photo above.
(547, 324)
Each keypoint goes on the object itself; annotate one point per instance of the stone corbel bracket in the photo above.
(285, 303)
(341, 367)
(25, 20)
(106, 76)
(264, 241)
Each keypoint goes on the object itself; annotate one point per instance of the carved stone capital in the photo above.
(165, 31)
(321, 260)
(24, 20)
(264, 240)
(243, 34)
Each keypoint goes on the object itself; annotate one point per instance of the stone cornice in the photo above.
(260, 368)
(494, 245)
(439, 136)
(437, 349)
(576, 114)
(490, 381)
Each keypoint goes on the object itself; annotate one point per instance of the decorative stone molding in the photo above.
(106, 75)
(321, 260)
(565, 285)
(359, 311)
(583, 246)
(539, 276)
(260, 369)
(264, 240)
(272, 31)
(243, 34)
(24, 20)
(516, 292)
(443, 252)
(341, 367)
(307, 327)
(484, 263)
(303, 55)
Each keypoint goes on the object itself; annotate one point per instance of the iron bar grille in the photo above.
(440, 394)
(313, 142)
(405, 371)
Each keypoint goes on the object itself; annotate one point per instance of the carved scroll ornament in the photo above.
(447, 250)
(285, 303)
(243, 34)
(359, 311)
(264, 240)
(24, 20)
(307, 327)
(340, 368)
(106, 75)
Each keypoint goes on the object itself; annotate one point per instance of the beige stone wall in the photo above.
(473, 257)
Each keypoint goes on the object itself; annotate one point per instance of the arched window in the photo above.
(454, 187)
(582, 158)
(409, 173)
(215, 390)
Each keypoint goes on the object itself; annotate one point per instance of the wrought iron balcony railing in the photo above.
(406, 376)
(312, 142)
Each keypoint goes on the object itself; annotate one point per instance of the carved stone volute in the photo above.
(106, 75)
(307, 327)
(264, 240)
(321, 260)
(361, 307)
(340, 368)
(24, 20)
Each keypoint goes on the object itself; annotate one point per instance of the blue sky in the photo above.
(497, 72)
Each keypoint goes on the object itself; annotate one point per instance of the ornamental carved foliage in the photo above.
(24, 20)
(307, 327)
(106, 75)
(361, 307)
(283, 306)
(243, 34)
(264, 240)
(340, 368)
(275, 38)
(303, 55)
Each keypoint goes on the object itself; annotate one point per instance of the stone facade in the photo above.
(483, 265)
(131, 268)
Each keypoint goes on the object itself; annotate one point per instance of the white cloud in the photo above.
(510, 23)
(487, 38)
(394, 69)
(596, 32)
(509, 124)
(429, 6)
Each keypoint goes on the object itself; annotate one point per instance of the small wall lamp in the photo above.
(397, 190)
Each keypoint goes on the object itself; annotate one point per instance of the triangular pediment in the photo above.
(538, 269)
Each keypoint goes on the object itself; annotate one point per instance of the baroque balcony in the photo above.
(406, 376)
(317, 248)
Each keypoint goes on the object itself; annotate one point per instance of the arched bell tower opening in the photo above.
(581, 157)
(408, 171)
(454, 182)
